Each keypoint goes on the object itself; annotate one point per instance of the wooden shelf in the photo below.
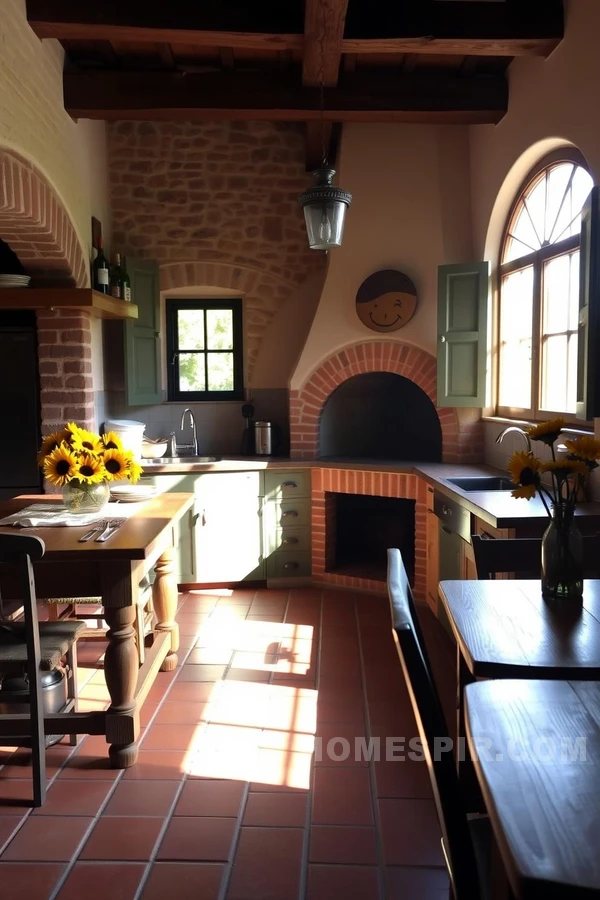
(100, 305)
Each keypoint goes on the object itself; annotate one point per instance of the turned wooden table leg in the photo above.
(164, 594)
(121, 671)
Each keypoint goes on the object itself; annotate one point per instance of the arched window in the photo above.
(539, 290)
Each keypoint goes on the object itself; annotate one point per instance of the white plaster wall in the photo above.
(411, 210)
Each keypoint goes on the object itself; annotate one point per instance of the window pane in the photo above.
(220, 372)
(558, 182)
(219, 330)
(535, 201)
(572, 375)
(516, 310)
(574, 292)
(190, 329)
(554, 371)
(524, 231)
(557, 280)
(191, 372)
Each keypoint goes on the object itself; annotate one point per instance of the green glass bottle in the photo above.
(100, 270)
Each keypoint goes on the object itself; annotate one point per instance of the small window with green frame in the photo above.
(204, 349)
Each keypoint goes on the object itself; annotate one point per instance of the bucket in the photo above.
(130, 432)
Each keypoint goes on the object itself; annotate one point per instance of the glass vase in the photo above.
(562, 556)
(85, 499)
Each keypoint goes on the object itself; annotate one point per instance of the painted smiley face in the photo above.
(388, 312)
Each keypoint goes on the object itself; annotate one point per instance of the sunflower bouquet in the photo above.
(557, 482)
(79, 461)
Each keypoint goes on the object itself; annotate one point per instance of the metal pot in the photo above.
(54, 696)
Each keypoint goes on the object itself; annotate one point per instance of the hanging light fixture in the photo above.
(324, 204)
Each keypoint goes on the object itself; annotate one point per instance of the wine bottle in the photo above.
(126, 293)
(116, 278)
(100, 270)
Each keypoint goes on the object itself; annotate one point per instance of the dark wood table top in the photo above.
(505, 629)
(538, 765)
(135, 539)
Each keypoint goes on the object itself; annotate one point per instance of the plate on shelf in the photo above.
(14, 281)
(132, 493)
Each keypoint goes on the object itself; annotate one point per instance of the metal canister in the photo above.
(263, 438)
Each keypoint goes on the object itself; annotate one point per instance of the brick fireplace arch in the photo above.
(462, 442)
(36, 225)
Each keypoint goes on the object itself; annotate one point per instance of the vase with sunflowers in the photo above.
(557, 482)
(84, 464)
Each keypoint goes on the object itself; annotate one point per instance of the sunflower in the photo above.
(585, 448)
(524, 469)
(60, 465)
(134, 470)
(50, 443)
(546, 431)
(562, 468)
(89, 468)
(86, 442)
(116, 464)
(112, 441)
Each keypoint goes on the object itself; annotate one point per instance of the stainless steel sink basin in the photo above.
(178, 460)
(483, 483)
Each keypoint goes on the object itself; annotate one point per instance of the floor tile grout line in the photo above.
(372, 774)
(304, 871)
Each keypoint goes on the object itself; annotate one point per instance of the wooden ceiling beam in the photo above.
(229, 95)
(323, 33)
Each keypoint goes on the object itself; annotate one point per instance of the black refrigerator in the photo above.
(19, 404)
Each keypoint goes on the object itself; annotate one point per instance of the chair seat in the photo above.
(55, 640)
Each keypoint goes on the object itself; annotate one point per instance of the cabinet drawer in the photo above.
(287, 485)
(284, 513)
(288, 540)
(288, 565)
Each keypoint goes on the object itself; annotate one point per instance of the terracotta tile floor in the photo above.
(243, 789)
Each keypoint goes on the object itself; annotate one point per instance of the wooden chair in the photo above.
(466, 842)
(521, 556)
(31, 646)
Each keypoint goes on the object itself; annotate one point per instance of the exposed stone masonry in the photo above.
(221, 193)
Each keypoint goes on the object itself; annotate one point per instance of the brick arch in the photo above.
(37, 227)
(461, 442)
(264, 294)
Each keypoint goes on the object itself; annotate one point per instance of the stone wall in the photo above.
(220, 193)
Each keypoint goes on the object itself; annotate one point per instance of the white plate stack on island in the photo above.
(14, 281)
(132, 493)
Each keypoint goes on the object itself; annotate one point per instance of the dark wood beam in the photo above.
(461, 27)
(264, 25)
(229, 95)
(323, 32)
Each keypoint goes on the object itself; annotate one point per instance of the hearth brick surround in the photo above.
(326, 482)
(462, 441)
(37, 227)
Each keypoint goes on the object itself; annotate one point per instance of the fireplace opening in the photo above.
(360, 529)
(382, 416)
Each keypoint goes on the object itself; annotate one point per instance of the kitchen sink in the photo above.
(178, 460)
(483, 483)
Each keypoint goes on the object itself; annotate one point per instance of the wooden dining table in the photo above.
(114, 570)
(535, 747)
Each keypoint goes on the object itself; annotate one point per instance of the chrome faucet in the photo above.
(193, 424)
(523, 434)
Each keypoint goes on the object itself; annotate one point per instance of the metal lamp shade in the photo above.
(325, 211)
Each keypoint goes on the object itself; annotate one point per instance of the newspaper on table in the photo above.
(44, 515)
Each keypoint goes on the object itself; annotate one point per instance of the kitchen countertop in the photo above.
(497, 508)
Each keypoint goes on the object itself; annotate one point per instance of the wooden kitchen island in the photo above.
(114, 571)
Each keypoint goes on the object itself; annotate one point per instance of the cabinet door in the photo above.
(142, 335)
(184, 530)
(588, 368)
(432, 576)
(228, 531)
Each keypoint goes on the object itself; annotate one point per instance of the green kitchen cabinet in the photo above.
(287, 520)
(185, 528)
(142, 335)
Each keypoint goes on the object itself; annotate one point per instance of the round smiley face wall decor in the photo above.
(386, 300)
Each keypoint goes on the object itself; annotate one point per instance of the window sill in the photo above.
(524, 423)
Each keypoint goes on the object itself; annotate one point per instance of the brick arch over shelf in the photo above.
(264, 294)
(37, 227)
(462, 442)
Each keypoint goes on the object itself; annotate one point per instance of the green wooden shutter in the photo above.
(588, 370)
(462, 334)
(142, 335)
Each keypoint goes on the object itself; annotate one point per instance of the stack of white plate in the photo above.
(132, 493)
(14, 281)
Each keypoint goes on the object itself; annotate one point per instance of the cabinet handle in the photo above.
(289, 513)
(195, 518)
(446, 510)
(290, 540)
(290, 565)
(290, 484)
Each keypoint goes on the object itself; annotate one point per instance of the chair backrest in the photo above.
(523, 556)
(434, 737)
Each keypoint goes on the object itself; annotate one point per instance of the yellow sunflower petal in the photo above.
(565, 467)
(546, 431)
(112, 441)
(89, 469)
(585, 447)
(116, 464)
(87, 442)
(527, 491)
(60, 465)
(523, 465)
(135, 470)
(49, 443)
